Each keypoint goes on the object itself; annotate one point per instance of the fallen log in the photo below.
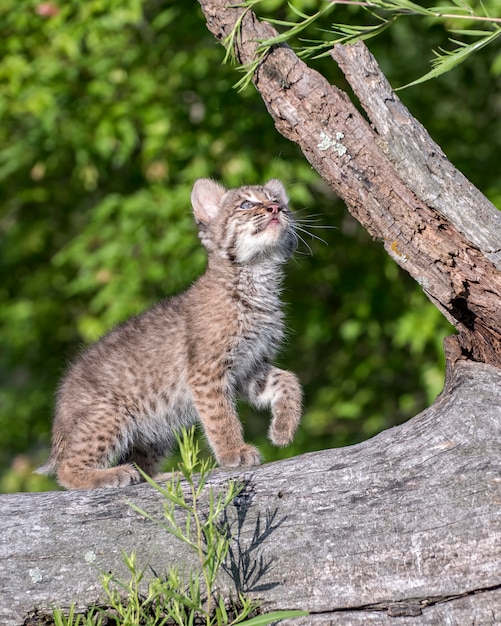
(406, 524)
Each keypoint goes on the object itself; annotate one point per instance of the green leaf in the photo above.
(275, 616)
(400, 6)
(462, 6)
(449, 60)
(468, 32)
(221, 610)
(347, 34)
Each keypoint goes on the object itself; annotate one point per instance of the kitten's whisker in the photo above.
(299, 253)
(307, 221)
(310, 225)
(312, 235)
(317, 217)
(299, 213)
(304, 242)
(310, 222)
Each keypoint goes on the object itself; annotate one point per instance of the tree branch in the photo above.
(459, 277)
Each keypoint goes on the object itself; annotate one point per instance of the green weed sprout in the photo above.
(176, 598)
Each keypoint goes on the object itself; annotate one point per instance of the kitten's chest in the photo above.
(260, 326)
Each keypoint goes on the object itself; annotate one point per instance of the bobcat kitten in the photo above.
(187, 358)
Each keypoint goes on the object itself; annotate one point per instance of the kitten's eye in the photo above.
(247, 205)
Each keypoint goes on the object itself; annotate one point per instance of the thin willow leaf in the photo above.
(295, 30)
(351, 35)
(275, 616)
(445, 63)
(401, 6)
(459, 44)
(297, 11)
(462, 4)
(246, 4)
(469, 33)
(222, 611)
(347, 33)
(445, 8)
(249, 70)
(275, 20)
(466, 49)
(230, 40)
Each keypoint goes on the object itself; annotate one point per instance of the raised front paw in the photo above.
(244, 456)
(282, 432)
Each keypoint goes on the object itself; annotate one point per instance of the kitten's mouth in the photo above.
(273, 222)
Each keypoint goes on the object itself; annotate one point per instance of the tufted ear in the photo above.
(206, 199)
(276, 188)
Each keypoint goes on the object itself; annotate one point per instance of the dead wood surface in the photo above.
(434, 224)
(418, 160)
(407, 524)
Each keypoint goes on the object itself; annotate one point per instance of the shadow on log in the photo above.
(406, 524)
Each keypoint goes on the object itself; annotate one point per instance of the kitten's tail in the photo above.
(48, 468)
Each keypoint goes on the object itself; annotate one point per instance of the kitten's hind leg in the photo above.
(148, 459)
(281, 391)
(89, 451)
(74, 476)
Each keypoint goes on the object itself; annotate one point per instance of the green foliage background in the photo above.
(110, 110)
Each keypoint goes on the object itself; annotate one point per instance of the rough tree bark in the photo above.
(407, 524)
(394, 179)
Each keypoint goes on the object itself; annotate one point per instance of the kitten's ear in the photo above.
(278, 191)
(206, 199)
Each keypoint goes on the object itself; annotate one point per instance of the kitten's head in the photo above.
(244, 225)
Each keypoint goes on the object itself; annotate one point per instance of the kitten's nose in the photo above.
(274, 208)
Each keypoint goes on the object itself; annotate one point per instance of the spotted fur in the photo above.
(188, 357)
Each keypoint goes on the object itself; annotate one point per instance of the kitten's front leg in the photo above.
(281, 391)
(222, 427)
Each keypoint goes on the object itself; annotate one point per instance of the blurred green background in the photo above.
(110, 109)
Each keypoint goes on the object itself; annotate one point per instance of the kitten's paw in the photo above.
(281, 434)
(245, 456)
(120, 476)
(78, 478)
